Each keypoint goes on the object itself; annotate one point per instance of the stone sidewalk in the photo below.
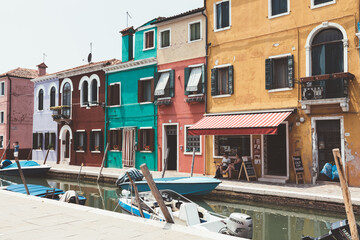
(29, 217)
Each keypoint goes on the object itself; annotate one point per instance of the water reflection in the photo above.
(271, 222)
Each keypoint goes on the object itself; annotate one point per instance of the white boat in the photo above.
(29, 168)
(188, 213)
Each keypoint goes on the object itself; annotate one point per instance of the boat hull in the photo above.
(27, 171)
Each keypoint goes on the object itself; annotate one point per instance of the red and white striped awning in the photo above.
(239, 124)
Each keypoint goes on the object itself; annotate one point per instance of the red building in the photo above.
(81, 114)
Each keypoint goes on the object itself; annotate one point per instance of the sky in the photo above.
(64, 29)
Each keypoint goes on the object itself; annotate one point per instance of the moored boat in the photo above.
(29, 168)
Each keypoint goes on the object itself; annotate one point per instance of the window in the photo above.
(115, 139)
(94, 92)
(2, 117)
(232, 144)
(320, 3)
(96, 140)
(50, 141)
(149, 39)
(278, 7)
(2, 89)
(66, 100)
(52, 97)
(279, 72)
(145, 90)
(165, 82)
(80, 141)
(1, 142)
(192, 83)
(41, 100)
(327, 52)
(194, 31)
(146, 139)
(38, 141)
(192, 141)
(165, 38)
(114, 94)
(222, 80)
(222, 15)
(84, 93)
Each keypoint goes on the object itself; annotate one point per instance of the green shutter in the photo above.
(85, 141)
(203, 74)
(186, 79)
(291, 71)
(231, 79)
(156, 80)
(35, 140)
(214, 86)
(41, 140)
(46, 141)
(172, 83)
(100, 141)
(92, 141)
(268, 73)
(53, 140)
(76, 142)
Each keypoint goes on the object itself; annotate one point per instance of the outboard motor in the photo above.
(240, 225)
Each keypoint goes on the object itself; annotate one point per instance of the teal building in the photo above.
(131, 116)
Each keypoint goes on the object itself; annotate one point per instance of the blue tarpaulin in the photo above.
(23, 164)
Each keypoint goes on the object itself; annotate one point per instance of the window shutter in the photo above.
(116, 94)
(231, 79)
(109, 95)
(140, 92)
(101, 141)
(214, 73)
(53, 140)
(268, 73)
(119, 135)
(156, 80)
(291, 71)
(152, 90)
(35, 135)
(172, 83)
(152, 140)
(140, 145)
(186, 79)
(109, 139)
(92, 141)
(41, 140)
(85, 141)
(203, 69)
(46, 141)
(76, 142)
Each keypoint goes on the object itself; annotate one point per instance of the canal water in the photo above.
(271, 222)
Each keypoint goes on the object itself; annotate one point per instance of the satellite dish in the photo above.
(89, 57)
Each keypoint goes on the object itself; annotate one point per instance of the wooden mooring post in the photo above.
(47, 153)
(22, 176)
(165, 162)
(136, 194)
(192, 162)
(102, 164)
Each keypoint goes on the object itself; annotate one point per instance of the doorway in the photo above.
(128, 153)
(65, 137)
(170, 142)
(275, 155)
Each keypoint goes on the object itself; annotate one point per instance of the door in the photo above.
(328, 138)
(171, 144)
(67, 146)
(128, 152)
(277, 153)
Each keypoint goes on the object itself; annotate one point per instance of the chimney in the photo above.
(127, 44)
(41, 69)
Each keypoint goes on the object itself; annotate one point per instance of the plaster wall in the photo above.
(139, 51)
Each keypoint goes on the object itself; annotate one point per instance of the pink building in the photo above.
(16, 110)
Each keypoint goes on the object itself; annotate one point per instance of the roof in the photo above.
(43, 65)
(105, 63)
(152, 21)
(128, 29)
(22, 73)
(164, 19)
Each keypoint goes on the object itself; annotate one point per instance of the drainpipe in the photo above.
(205, 73)
(9, 111)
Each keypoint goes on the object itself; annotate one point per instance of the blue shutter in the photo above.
(186, 79)
(268, 73)
(172, 83)
(231, 79)
(214, 77)
(291, 71)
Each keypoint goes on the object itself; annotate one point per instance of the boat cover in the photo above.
(23, 164)
(135, 175)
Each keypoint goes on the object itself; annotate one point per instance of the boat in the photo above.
(48, 192)
(185, 212)
(339, 230)
(181, 185)
(29, 168)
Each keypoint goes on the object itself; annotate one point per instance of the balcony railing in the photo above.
(61, 114)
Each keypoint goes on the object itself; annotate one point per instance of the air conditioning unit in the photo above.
(313, 93)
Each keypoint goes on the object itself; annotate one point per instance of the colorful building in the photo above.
(293, 66)
(16, 95)
(180, 90)
(131, 116)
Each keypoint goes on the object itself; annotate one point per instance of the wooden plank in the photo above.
(136, 194)
(193, 162)
(346, 195)
(22, 176)
(102, 164)
(47, 153)
(156, 193)
(28, 157)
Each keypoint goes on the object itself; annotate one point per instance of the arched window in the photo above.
(41, 100)
(94, 92)
(327, 52)
(52, 96)
(85, 93)
(66, 99)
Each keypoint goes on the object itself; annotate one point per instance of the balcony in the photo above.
(324, 90)
(61, 114)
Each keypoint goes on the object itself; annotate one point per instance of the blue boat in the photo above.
(29, 168)
(41, 191)
(181, 185)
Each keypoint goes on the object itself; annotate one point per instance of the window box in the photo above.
(166, 101)
(194, 99)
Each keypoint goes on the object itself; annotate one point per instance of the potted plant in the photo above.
(146, 148)
(40, 147)
(97, 148)
(51, 147)
(116, 147)
(80, 148)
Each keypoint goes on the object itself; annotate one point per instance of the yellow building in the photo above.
(288, 60)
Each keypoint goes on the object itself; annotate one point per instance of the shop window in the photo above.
(191, 142)
(80, 141)
(1, 142)
(37, 141)
(165, 38)
(52, 97)
(145, 90)
(41, 100)
(222, 15)
(232, 144)
(50, 139)
(115, 139)
(146, 139)
(279, 72)
(194, 80)
(222, 82)
(194, 31)
(114, 94)
(165, 83)
(1, 117)
(278, 7)
(149, 39)
(95, 140)
(327, 52)
(2, 89)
